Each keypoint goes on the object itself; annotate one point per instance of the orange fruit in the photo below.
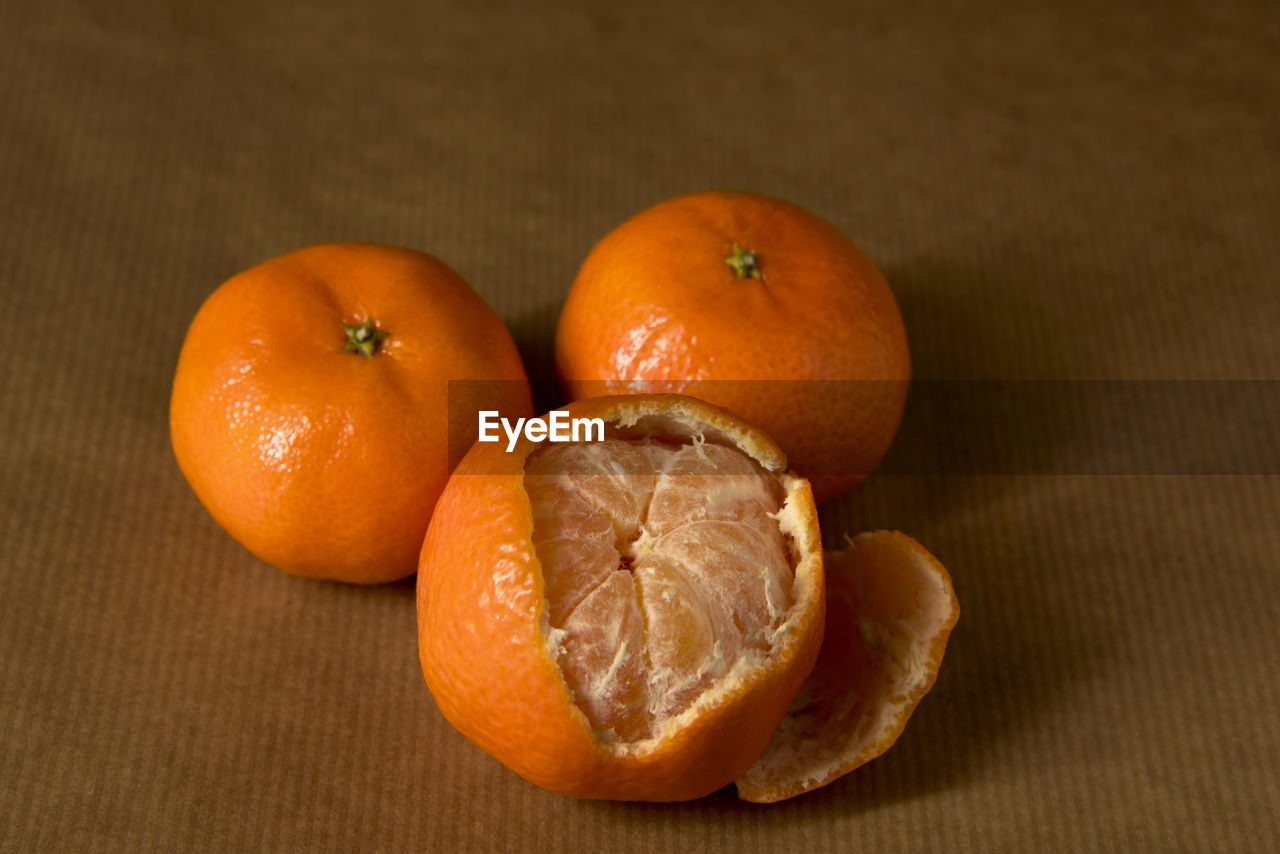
(890, 609)
(626, 618)
(311, 405)
(756, 305)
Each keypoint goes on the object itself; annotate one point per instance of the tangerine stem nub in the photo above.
(745, 264)
(364, 338)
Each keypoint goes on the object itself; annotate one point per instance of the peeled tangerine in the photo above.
(631, 618)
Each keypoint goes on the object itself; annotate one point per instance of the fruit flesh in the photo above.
(665, 571)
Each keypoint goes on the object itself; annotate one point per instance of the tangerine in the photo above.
(627, 618)
(311, 408)
(754, 304)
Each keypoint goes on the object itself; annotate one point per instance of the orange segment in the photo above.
(890, 609)
(614, 478)
(602, 657)
(687, 645)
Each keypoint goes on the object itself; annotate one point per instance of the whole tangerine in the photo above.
(312, 403)
(754, 304)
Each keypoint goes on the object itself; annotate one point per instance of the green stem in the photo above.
(745, 264)
(364, 338)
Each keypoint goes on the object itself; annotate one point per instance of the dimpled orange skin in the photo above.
(654, 300)
(480, 600)
(322, 462)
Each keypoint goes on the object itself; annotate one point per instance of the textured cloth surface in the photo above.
(1076, 204)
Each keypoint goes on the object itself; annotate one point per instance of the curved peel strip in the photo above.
(890, 610)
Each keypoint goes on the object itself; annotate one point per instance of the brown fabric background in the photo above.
(1069, 191)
